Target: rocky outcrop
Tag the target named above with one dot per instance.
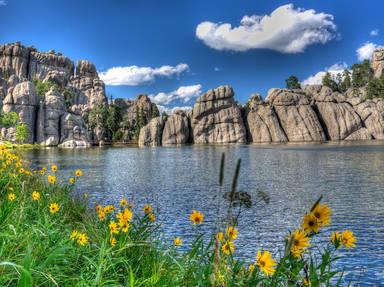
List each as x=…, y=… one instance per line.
x=337, y=115
x=14, y=60
x=378, y=62
x=216, y=118
x=371, y=113
x=60, y=115
x=296, y=115
x=360, y=134
x=23, y=100
x=41, y=63
x=150, y=135
x=262, y=123
x=176, y=129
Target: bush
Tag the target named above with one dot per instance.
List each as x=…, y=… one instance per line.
x=118, y=135
x=21, y=133
x=8, y=120
x=42, y=88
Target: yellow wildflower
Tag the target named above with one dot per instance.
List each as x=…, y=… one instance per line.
x=177, y=241
x=348, y=239
x=228, y=247
x=54, y=208
x=78, y=173
x=113, y=228
x=51, y=179
x=231, y=232
x=74, y=235
x=72, y=180
x=54, y=168
x=11, y=196
x=251, y=267
x=147, y=209
x=266, y=263
x=336, y=238
x=219, y=236
x=152, y=217
x=300, y=242
x=124, y=226
x=113, y=241
x=196, y=217
x=323, y=214
x=109, y=208
x=36, y=196
x=101, y=215
x=82, y=239
x=310, y=223
x=123, y=202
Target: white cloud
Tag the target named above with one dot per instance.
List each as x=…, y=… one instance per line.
x=287, y=30
x=374, y=32
x=217, y=69
x=135, y=76
x=184, y=93
x=317, y=78
x=366, y=51
x=3, y=3
x=170, y=111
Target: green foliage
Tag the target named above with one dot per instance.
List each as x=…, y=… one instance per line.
x=141, y=121
x=42, y=88
x=97, y=119
x=164, y=116
x=361, y=74
x=8, y=120
x=69, y=96
x=155, y=111
x=21, y=132
x=114, y=118
x=345, y=81
x=375, y=88
x=118, y=135
x=292, y=83
x=330, y=82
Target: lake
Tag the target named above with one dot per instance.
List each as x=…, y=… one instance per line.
x=176, y=180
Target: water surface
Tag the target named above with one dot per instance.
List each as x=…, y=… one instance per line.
x=178, y=179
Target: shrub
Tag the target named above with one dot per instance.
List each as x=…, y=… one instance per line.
x=21, y=132
x=8, y=120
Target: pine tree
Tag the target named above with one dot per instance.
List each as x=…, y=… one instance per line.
x=328, y=81
x=292, y=83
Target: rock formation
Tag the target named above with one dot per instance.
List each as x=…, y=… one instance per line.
x=176, y=129
x=378, y=62
x=262, y=123
x=57, y=116
x=297, y=117
x=150, y=135
x=216, y=118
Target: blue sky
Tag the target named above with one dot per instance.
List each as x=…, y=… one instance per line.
x=176, y=49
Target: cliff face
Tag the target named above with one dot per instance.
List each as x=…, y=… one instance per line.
x=59, y=114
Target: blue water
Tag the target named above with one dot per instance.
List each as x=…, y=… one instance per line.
x=178, y=179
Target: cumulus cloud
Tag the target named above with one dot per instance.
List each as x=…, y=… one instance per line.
x=170, y=111
x=317, y=78
x=3, y=3
x=135, y=76
x=374, y=32
x=286, y=30
x=184, y=93
x=366, y=51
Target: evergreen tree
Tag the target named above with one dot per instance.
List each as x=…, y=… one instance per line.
x=375, y=88
x=155, y=111
x=361, y=74
x=346, y=82
x=328, y=81
x=114, y=118
x=292, y=83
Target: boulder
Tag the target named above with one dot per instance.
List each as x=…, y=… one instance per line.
x=297, y=117
x=176, y=129
x=23, y=100
x=360, y=134
x=85, y=68
x=372, y=114
x=150, y=134
x=262, y=123
x=216, y=118
x=73, y=131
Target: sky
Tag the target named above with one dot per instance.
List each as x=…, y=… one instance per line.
x=175, y=50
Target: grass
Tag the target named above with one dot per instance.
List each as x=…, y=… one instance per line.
x=38, y=245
